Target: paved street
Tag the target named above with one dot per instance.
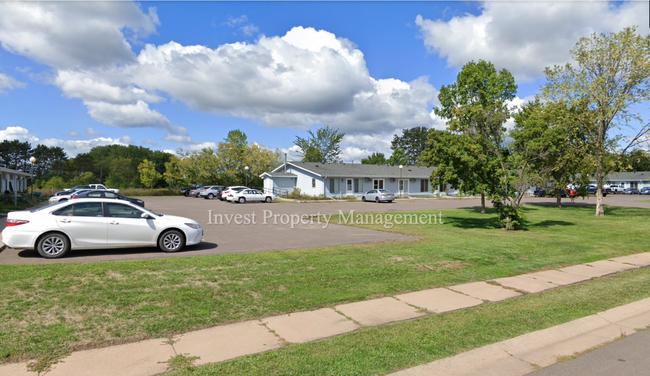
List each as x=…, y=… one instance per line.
x=273, y=230
x=627, y=357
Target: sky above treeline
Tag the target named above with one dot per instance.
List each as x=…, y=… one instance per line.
x=181, y=75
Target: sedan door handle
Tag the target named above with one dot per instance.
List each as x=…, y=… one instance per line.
x=66, y=220
x=114, y=223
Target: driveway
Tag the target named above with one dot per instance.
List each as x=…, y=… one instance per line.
x=260, y=227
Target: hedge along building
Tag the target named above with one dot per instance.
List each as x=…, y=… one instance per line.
x=344, y=179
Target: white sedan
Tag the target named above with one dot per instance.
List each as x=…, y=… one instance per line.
x=378, y=195
x=66, y=197
x=55, y=229
x=250, y=195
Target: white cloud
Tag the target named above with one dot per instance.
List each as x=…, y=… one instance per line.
x=526, y=37
x=73, y=134
x=73, y=34
x=7, y=82
x=126, y=140
x=135, y=115
x=249, y=30
x=232, y=22
x=71, y=147
x=74, y=147
x=93, y=132
x=149, y=142
x=102, y=85
x=17, y=133
x=200, y=146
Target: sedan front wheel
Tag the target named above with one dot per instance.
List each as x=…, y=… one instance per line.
x=242, y=200
x=53, y=245
x=171, y=241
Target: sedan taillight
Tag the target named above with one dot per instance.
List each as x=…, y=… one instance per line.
x=16, y=222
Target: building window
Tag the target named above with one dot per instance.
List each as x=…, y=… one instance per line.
x=424, y=185
x=378, y=184
x=349, y=185
x=313, y=183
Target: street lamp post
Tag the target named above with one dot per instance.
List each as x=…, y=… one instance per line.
x=246, y=169
x=400, y=181
x=32, y=160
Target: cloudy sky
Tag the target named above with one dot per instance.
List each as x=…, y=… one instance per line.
x=170, y=75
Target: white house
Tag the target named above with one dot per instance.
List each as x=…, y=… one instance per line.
x=13, y=180
x=344, y=179
x=639, y=179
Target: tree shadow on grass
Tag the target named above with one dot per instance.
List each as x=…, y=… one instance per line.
x=488, y=221
x=548, y=223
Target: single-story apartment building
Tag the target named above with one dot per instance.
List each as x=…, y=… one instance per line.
x=639, y=179
x=345, y=179
x=13, y=180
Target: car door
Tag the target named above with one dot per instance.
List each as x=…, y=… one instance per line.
x=84, y=223
x=256, y=195
x=126, y=227
x=372, y=194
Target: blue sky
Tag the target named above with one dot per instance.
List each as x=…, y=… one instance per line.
x=170, y=75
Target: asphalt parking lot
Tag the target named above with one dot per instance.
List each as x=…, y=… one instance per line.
x=260, y=227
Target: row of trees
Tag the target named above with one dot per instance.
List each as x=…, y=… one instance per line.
x=564, y=136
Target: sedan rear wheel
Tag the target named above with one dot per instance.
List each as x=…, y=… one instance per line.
x=377, y=200
x=210, y=196
x=171, y=241
x=53, y=245
x=363, y=198
x=242, y=200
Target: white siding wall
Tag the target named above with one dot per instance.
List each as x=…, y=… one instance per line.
x=304, y=182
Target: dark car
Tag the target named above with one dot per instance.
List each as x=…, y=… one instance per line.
x=72, y=190
x=108, y=194
x=631, y=191
x=550, y=192
x=185, y=191
x=592, y=190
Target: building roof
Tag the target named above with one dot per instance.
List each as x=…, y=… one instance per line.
x=629, y=176
x=279, y=175
x=14, y=172
x=347, y=170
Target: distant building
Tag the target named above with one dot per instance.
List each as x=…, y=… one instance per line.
x=13, y=180
x=344, y=179
x=637, y=180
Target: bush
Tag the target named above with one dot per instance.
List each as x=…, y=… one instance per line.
x=297, y=195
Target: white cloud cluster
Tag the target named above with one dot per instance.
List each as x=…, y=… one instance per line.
x=525, y=37
x=73, y=34
x=7, y=82
x=71, y=147
x=303, y=78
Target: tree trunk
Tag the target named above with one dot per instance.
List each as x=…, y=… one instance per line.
x=482, y=202
x=599, y=173
x=558, y=197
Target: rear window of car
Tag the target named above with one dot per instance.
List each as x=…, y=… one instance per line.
x=384, y=191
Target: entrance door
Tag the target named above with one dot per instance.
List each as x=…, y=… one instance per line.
x=349, y=186
x=402, y=186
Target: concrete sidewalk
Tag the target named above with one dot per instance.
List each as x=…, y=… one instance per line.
x=516, y=356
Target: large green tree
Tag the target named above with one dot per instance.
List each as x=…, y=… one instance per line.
x=612, y=76
x=148, y=174
x=375, y=158
x=15, y=154
x=398, y=158
x=322, y=147
x=552, y=136
x=412, y=141
x=476, y=109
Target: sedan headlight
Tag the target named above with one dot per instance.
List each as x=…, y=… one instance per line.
x=195, y=226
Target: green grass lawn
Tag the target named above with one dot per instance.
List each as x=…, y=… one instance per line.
x=386, y=349
x=77, y=306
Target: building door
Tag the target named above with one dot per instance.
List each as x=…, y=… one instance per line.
x=402, y=187
x=349, y=186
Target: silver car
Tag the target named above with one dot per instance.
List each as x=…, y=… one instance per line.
x=378, y=195
x=211, y=191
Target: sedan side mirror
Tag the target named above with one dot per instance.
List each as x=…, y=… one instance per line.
x=146, y=216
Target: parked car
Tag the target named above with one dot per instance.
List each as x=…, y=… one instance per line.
x=194, y=192
x=591, y=189
x=252, y=195
x=631, y=191
x=185, y=191
x=378, y=195
x=106, y=194
x=65, y=197
x=550, y=192
x=617, y=188
x=644, y=191
x=97, y=223
x=211, y=192
x=229, y=190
